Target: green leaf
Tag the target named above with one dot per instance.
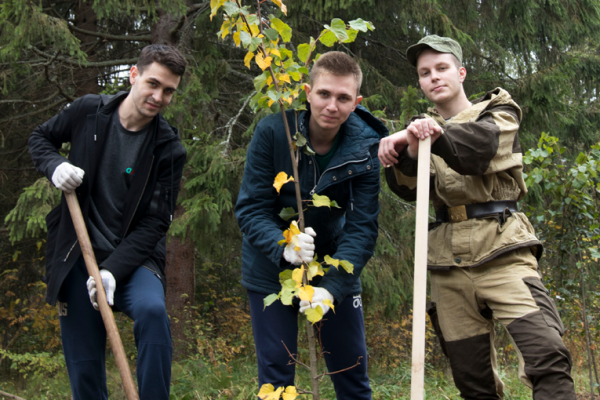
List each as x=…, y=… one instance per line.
x=289, y=284
x=338, y=27
x=328, y=38
x=334, y=204
x=287, y=213
x=285, y=275
x=321, y=201
x=284, y=29
x=314, y=315
x=300, y=139
x=254, y=43
x=270, y=299
x=303, y=52
x=285, y=53
x=352, y=33
x=348, y=266
x=359, y=24
x=272, y=34
x=245, y=38
x=287, y=296
x=308, y=151
x=273, y=95
x=231, y=8
x=260, y=81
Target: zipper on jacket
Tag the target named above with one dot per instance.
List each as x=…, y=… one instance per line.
x=329, y=169
x=69, y=253
x=140, y=199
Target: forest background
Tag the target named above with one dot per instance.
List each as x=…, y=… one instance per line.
x=545, y=53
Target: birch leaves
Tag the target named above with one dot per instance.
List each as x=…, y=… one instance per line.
x=266, y=40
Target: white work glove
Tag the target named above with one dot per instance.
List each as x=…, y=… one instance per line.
x=67, y=177
x=307, y=248
x=318, y=297
x=109, y=283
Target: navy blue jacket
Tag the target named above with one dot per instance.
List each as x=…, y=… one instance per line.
x=149, y=201
x=351, y=179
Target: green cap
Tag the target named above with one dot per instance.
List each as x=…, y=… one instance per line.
x=437, y=43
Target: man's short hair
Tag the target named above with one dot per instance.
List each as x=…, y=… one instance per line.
x=167, y=56
x=338, y=64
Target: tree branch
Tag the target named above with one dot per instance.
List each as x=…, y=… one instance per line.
x=100, y=64
x=10, y=396
x=33, y=113
x=140, y=38
x=31, y=101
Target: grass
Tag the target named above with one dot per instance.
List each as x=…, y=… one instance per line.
x=192, y=379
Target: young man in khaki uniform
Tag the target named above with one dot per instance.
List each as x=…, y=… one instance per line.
x=482, y=250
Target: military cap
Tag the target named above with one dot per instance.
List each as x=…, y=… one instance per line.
x=437, y=43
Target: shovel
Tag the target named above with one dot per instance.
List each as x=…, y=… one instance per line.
x=105, y=310
x=420, y=284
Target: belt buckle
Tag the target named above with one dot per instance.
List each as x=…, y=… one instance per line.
x=457, y=214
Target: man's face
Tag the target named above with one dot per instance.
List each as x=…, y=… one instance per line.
x=332, y=98
x=153, y=89
x=439, y=77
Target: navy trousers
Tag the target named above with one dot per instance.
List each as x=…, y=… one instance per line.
x=342, y=338
x=141, y=297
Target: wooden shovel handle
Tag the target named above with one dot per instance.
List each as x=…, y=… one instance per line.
x=105, y=310
x=420, y=284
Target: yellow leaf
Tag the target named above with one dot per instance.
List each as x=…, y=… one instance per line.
x=297, y=275
x=278, y=54
x=290, y=393
x=285, y=78
x=348, y=266
x=306, y=293
x=225, y=29
x=270, y=103
x=248, y=58
x=255, y=30
x=332, y=261
x=281, y=178
x=214, y=7
x=269, y=80
x=236, y=39
x=328, y=302
x=294, y=228
x=263, y=62
x=289, y=100
x=314, y=314
x=320, y=201
x=282, y=6
x=296, y=243
x=268, y=392
x=314, y=269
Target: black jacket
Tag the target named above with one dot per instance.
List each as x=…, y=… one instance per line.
x=150, y=200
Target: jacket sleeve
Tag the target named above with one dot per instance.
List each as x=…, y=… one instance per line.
x=255, y=208
x=47, y=138
x=142, y=240
x=357, y=242
x=484, y=146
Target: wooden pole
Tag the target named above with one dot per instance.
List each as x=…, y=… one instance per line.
x=105, y=310
x=420, y=286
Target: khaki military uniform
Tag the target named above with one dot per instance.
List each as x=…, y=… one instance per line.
x=485, y=267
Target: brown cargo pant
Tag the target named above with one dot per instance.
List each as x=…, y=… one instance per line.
x=507, y=288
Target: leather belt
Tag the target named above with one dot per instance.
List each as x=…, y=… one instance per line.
x=478, y=210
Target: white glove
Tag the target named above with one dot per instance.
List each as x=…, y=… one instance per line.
x=67, y=177
x=109, y=283
x=307, y=248
x=319, y=296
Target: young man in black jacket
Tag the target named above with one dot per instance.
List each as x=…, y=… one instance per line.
x=125, y=165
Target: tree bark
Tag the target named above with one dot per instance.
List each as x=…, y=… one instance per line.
x=181, y=286
x=86, y=79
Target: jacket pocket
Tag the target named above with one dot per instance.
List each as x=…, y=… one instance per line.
x=545, y=303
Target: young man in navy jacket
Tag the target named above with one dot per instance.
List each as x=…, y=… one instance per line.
x=125, y=164
x=345, y=137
